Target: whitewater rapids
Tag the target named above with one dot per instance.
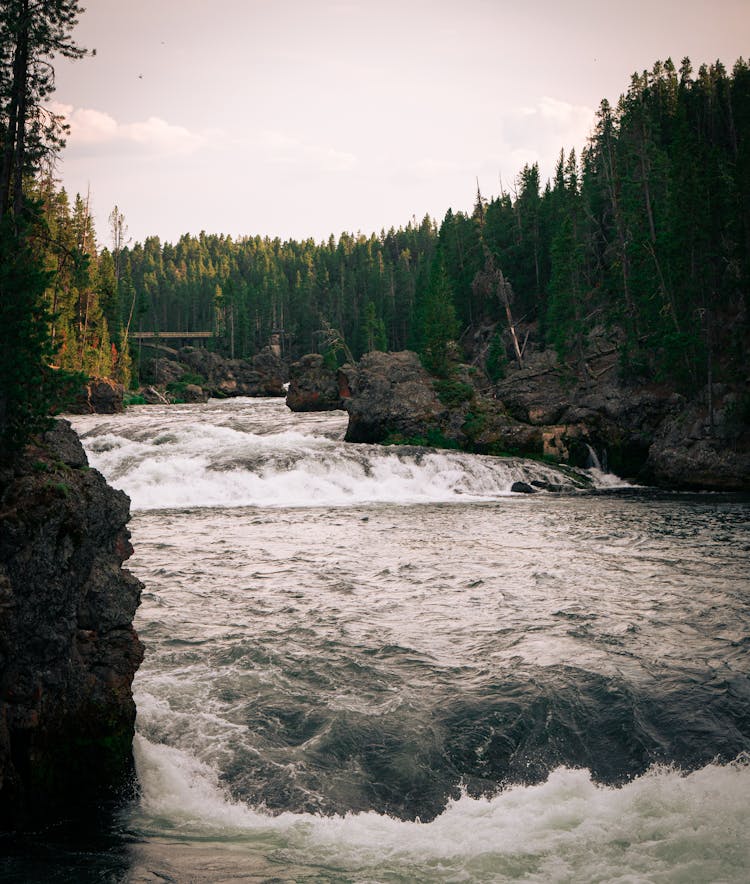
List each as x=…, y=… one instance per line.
x=376, y=664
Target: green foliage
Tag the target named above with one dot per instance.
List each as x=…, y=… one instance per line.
x=31, y=35
x=191, y=377
x=437, y=321
x=330, y=359
x=133, y=399
x=29, y=389
x=497, y=361
x=243, y=290
x=436, y=439
x=60, y=489
x=433, y=439
x=452, y=392
x=373, y=336
x=400, y=439
x=473, y=425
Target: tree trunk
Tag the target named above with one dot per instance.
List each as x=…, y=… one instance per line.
x=505, y=298
x=20, y=146
x=17, y=91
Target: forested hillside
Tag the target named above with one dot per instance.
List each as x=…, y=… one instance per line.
x=646, y=233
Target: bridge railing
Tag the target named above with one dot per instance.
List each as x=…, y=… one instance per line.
x=150, y=335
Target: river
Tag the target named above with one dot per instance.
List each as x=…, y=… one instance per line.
x=370, y=664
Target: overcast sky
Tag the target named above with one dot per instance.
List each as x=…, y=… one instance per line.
x=301, y=118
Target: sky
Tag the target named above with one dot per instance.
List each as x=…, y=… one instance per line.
x=305, y=118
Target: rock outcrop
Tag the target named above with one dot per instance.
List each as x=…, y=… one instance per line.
x=99, y=396
x=693, y=451
x=546, y=409
x=68, y=650
x=182, y=373
x=387, y=395
x=312, y=385
x=391, y=398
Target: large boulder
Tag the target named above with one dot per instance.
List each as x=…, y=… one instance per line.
x=68, y=651
x=387, y=395
x=193, y=393
x=312, y=385
x=99, y=396
x=272, y=370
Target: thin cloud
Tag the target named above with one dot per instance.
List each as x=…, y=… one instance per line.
x=545, y=127
x=91, y=128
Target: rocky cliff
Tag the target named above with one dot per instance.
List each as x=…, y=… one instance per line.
x=581, y=415
x=68, y=651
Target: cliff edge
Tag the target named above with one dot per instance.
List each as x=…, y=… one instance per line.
x=68, y=650
x=644, y=432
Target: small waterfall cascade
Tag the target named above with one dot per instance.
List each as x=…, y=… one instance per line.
x=594, y=462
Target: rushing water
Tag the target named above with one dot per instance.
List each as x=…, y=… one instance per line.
x=379, y=665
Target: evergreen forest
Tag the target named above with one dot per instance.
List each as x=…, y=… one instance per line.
x=644, y=234
x=647, y=232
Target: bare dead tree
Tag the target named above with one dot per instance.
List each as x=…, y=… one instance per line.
x=491, y=282
x=334, y=340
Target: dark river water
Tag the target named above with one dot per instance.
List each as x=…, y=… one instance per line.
x=379, y=665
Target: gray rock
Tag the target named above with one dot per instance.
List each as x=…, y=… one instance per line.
x=194, y=393
x=688, y=452
x=312, y=386
x=263, y=375
x=389, y=394
x=68, y=651
x=522, y=488
x=62, y=440
x=99, y=396
x=165, y=371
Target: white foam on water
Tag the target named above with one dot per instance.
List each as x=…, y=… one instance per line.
x=663, y=826
x=606, y=480
x=198, y=464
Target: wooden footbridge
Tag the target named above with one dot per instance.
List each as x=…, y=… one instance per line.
x=171, y=335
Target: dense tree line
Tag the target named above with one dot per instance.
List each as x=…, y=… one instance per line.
x=363, y=289
x=647, y=232
x=32, y=34
x=85, y=297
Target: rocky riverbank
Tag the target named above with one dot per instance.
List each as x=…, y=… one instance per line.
x=68, y=650
x=190, y=374
x=193, y=374
x=583, y=414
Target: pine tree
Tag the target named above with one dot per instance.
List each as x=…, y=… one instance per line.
x=437, y=321
x=32, y=32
